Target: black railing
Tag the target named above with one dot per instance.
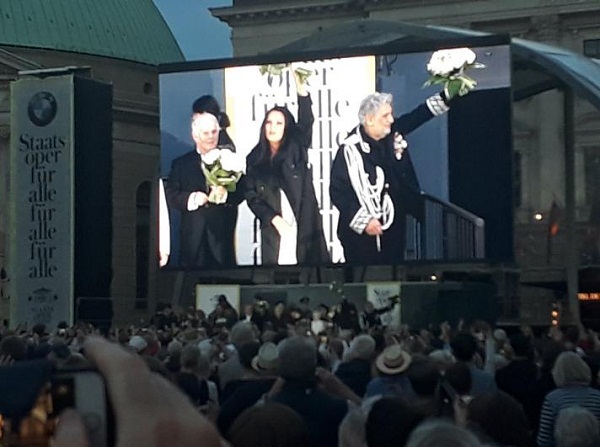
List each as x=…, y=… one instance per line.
x=446, y=232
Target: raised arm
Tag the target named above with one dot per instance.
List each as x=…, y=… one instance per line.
x=305, y=114
x=433, y=106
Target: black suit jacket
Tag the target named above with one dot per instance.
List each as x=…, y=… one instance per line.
x=207, y=234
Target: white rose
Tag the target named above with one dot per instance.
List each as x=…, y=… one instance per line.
x=461, y=57
x=232, y=162
x=211, y=156
x=444, y=62
x=468, y=55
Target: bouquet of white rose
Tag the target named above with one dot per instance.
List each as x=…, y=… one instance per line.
x=277, y=70
x=222, y=167
x=447, y=67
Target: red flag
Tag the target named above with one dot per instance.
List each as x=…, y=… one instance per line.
x=554, y=216
x=554, y=219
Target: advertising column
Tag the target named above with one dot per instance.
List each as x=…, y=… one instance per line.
x=41, y=201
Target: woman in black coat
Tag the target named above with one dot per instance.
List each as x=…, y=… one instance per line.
x=279, y=187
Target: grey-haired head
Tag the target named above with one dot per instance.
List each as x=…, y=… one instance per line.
x=297, y=358
x=371, y=104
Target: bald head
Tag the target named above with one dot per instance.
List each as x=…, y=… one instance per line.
x=205, y=131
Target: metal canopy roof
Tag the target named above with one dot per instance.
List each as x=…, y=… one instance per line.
x=536, y=67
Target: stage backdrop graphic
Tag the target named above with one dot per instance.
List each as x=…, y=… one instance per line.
x=42, y=197
x=380, y=294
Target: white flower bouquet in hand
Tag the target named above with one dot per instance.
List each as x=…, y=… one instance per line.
x=277, y=70
x=447, y=67
x=223, y=169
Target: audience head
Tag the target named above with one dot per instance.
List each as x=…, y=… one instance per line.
x=14, y=347
x=464, y=347
x=336, y=347
x=442, y=357
x=438, y=432
x=576, y=427
x=174, y=346
x=571, y=335
x=241, y=332
x=266, y=359
x=362, y=347
x=390, y=423
x=39, y=329
x=500, y=335
x=459, y=377
x=501, y=418
x=268, y=425
x=424, y=377
x=192, y=336
x=352, y=429
x=297, y=358
x=247, y=352
x=190, y=357
x=550, y=353
x=570, y=369
x=193, y=360
x=521, y=345
x=393, y=360
x=138, y=343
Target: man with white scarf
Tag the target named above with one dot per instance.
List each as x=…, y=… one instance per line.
x=373, y=182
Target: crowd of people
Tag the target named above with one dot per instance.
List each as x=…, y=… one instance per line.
x=271, y=376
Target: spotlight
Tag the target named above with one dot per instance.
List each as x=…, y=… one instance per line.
x=538, y=216
x=555, y=314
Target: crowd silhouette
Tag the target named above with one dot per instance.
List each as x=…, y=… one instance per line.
x=273, y=377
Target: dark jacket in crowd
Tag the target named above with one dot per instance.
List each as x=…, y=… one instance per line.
x=356, y=374
x=321, y=412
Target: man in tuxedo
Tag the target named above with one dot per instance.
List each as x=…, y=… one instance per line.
x=207, y=230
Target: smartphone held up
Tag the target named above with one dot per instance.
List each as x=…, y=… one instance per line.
x=33, y=394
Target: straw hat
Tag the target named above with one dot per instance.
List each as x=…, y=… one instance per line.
x=266, y=359
x=393, y=360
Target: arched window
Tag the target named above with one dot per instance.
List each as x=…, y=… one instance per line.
x=142, y=244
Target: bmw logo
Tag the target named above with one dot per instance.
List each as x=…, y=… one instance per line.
x=42, y=108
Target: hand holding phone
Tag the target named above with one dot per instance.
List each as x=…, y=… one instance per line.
x=149, y=410
x=33, y=395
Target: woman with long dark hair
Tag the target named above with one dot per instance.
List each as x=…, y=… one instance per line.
x=279, y=187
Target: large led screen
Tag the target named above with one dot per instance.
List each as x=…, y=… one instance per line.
x=336, y=160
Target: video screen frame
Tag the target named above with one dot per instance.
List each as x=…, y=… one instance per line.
x=335, y=94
